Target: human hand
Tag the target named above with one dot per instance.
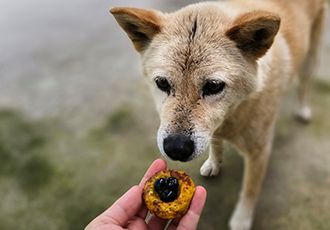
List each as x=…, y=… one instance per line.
x=130, y=212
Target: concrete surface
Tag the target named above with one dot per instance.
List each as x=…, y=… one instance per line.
x=78, y=126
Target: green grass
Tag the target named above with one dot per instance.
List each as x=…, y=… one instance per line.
x=65, y=179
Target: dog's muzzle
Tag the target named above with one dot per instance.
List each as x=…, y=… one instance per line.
x=179, y=147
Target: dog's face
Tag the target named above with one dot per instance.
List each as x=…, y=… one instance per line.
x=200, y=65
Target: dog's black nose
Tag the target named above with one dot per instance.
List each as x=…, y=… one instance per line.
x=179, y=147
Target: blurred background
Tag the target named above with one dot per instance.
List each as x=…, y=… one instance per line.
x=78, y=126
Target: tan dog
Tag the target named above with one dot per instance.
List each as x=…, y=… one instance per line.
x=218, y=71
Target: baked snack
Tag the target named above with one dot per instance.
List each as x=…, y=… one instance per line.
x=168, y=193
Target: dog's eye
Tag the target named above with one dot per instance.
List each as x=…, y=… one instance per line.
x=163, y=85
x=213, y=87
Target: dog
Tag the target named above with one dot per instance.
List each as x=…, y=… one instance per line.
x=217, y=71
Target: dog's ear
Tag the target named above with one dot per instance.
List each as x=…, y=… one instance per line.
x=139, y=24
x=254, y=32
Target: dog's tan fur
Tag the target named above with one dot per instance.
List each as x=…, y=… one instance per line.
x=256, y=47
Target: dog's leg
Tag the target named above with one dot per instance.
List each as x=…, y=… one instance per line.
x=303, y=112
x=254, y=171
x=212, y=165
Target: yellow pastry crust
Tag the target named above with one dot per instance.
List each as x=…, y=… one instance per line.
x=176, y=208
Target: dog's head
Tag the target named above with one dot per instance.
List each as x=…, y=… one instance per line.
x=200, y=64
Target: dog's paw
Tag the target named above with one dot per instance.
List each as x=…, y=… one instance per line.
x=240, y=225
x=304, y=114
x=241, y=218
x=210, y=168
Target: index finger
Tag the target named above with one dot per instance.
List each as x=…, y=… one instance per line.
x=156, y=166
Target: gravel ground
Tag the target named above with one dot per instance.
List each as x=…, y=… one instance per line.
x=73, y=108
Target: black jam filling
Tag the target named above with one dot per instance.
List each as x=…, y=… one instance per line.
x=167, y=188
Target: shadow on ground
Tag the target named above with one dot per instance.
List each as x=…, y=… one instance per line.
x=51, y=176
